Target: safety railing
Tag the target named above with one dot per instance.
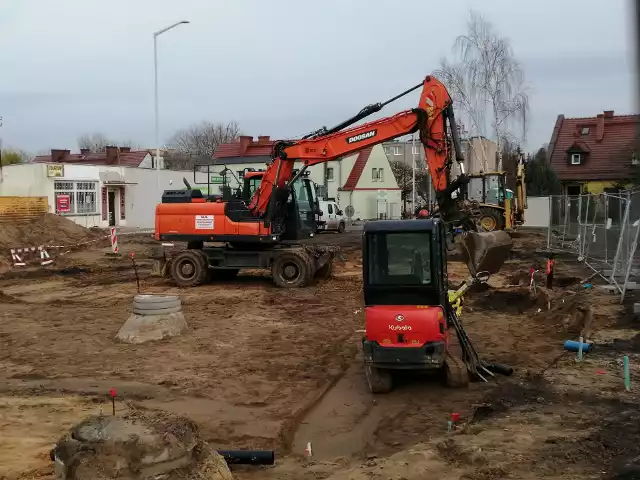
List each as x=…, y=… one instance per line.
x=602, y=230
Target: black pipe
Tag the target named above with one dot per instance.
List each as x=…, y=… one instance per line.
x=233, y=457
x=505, y=370
x=248, y=457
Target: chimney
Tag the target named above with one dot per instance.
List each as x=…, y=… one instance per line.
x=245, y=141
x=59, y=155
x=608, y=114
x=111, y=153
x=263, y=139
x=599, y=127
x=125, y=149
x=85, y=151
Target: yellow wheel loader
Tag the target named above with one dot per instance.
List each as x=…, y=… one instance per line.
x=499, y=208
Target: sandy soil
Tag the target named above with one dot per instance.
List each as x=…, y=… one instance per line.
x=269, y=368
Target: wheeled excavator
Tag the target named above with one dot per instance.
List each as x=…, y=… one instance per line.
x=225, y=235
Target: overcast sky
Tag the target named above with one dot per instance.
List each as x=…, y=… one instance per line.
x=283, y=67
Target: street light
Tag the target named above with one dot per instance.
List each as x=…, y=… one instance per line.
x=155, y=74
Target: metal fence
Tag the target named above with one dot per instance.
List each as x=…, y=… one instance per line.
x=602, y=231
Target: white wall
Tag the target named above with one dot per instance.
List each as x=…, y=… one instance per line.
x=26, y=180
x=141, y=199
x=377, y=159
x=537, y=212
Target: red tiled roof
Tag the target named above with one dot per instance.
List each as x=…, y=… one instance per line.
x=358, y=168
x=126, y=159
x=245, y=147
x=608, y=146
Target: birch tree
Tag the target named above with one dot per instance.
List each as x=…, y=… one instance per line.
x=487, y=83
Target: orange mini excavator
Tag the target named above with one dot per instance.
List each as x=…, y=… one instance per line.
x=265, y=229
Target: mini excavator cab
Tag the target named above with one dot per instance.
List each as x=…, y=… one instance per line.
x=406, y=296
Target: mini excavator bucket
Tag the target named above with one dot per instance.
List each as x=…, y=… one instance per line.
x=485, y=252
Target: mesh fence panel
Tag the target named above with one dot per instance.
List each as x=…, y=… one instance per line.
x=601, y=230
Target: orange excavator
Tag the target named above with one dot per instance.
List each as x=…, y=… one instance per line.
x=265, y=229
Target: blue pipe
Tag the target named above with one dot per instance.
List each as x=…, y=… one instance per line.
x=574, y=346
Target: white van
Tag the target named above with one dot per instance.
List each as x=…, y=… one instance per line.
x=332, y=218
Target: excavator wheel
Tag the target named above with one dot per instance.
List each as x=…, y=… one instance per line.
x=379, y=380
x=455, y=371
x=292, y=269
x=189, y=268
x=490, y=220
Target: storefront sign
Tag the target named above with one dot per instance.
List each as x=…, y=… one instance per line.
x=105, y=207
x=63, y=203
x=55, y=170
x=122, y=203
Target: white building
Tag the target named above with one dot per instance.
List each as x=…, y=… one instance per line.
x=93, y=195
x=363, y=181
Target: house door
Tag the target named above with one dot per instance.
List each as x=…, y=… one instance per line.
x=112, y=208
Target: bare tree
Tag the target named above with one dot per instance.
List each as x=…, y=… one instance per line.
x=97, y=142
x=487, y=76
x=202, y=139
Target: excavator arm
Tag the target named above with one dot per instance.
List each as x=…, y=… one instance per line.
x=433, y=119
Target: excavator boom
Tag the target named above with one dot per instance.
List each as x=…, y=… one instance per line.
x=435, y=122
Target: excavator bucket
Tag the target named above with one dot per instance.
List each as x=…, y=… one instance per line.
x=485, y=252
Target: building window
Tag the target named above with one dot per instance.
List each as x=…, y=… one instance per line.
x=240, y=174
x=329, y=173
x=415, y=150
x=397, y=150
x=377, y=174
x=585, y=130
x=576, y=159
x=82, y=195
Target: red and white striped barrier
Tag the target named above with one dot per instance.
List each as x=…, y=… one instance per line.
x=114, y=241
x=19, y=256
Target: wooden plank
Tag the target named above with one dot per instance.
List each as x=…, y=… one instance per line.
x=23, y=206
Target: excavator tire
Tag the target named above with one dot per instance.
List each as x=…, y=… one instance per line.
x=292, y=269
x=189, y=268
x=490, y=220
x=379, y=380
x=455, y=371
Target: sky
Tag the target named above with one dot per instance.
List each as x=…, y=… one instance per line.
x=284, y=67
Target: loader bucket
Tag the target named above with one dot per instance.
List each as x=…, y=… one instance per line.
x=485, y=252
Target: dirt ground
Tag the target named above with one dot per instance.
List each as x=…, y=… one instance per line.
x=269, y=368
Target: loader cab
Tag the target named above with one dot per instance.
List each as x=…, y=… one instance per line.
x=404, y=262
x=487, y=188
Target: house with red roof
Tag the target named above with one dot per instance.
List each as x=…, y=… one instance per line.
x=363, y=181
x=594, y=154
x=113, y=155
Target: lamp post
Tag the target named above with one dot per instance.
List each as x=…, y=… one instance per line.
x=155, y=82
x=413, y=172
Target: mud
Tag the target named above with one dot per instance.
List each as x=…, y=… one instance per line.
x=270, y=368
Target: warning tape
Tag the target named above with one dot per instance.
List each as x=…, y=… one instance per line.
x=17, y=254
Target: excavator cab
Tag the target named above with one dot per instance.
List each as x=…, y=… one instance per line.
x=406, y=296
x=296, y=215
